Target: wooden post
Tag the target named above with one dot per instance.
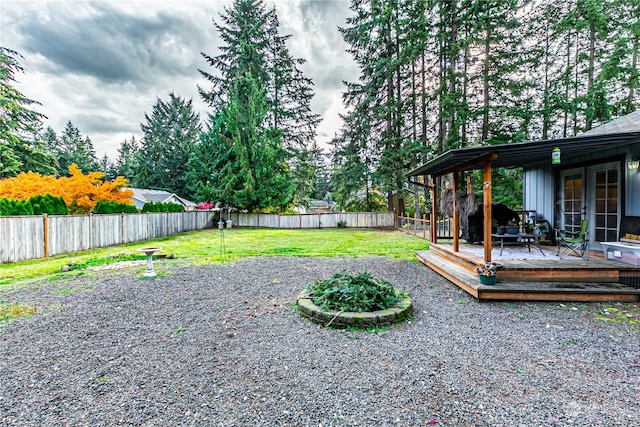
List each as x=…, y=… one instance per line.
x=487, y=211
x=45, y=223
x=456, y=218
x=91, y=230
x=434, y=213
x=424, y=226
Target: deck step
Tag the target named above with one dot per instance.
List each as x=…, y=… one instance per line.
x=539, y=283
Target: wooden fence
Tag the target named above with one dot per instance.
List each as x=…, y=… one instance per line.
x=323, y=220
x=30, y=237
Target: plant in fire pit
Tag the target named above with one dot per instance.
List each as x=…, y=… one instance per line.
x=354, y=300
x=354, y=292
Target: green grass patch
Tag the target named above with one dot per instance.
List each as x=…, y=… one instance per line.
x=14, y=311
x=212, y=245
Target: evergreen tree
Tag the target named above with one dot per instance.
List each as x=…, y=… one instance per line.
x=20, y=150
x=170, y=134
x=126, y=163
x=107, y=167
x=255, y=58
x=249, y=168
x=71, y=147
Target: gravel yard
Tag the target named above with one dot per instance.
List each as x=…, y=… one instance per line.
x=221, y=345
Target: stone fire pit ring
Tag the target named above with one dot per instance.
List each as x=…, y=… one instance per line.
x=361, y=320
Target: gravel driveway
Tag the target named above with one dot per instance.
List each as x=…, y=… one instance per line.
x=220, y=345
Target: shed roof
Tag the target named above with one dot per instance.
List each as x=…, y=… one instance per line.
x=521, y=154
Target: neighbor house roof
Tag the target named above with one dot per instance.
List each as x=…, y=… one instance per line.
x=144, y=195
x=523, y=153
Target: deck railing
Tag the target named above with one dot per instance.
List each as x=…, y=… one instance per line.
x=421, y=227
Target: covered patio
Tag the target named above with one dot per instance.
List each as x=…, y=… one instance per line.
x=537, y=274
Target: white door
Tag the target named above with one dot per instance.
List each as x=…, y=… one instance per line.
x=603, y=204
x=571, y=199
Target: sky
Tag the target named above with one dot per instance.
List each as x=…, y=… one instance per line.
x=102, y=64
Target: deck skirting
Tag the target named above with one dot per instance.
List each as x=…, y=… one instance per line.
x=536, y=280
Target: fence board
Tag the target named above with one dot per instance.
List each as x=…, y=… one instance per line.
x=106, y=230
x=69, y=234
x=134, y=228
x=21, y=238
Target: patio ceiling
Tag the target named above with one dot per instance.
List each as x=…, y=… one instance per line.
x=521, y=154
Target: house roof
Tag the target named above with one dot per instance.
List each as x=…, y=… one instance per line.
x=523, y=153
x=146, y=195
x=624, y=124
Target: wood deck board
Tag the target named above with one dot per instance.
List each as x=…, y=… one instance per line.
x=556, y=280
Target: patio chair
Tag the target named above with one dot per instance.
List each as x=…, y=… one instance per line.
x=573, y=243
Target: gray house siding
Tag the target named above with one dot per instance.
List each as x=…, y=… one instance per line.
x=541, y=182
x=632, y=189
x=538, y=192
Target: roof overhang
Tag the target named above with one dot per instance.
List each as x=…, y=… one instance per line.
x=521, y=154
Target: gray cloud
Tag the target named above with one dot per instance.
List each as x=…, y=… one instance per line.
x=101, y=64
x=114, y=46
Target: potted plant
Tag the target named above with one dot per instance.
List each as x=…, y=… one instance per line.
x=513, y=226
x=488, y=273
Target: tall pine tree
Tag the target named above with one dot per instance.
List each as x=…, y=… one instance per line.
x=169, y=135
x=252, y=156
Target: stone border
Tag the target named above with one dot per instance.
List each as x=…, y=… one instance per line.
x=345, y=319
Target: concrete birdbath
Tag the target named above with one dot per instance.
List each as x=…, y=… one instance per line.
x=149, y=252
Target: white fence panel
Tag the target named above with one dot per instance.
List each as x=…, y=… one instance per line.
x=290, y=221
x=324, y=220
x=135, y=228
x=69, y=234
x=328, y=220
x=157, y=224
x=21, y=238
x=269, y=220
x=205, y=219
x=106, y=230
x=175, y=223
x=310, y=221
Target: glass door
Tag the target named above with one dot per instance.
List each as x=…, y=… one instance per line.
x=572, y=203
x=606, y=204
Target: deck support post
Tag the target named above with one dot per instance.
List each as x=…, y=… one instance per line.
x=434, y=213
x=487, y=211
x=456, y=217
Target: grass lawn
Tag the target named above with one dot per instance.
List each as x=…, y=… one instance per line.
x=206, y=246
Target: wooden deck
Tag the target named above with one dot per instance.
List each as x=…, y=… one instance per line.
x=535, y=279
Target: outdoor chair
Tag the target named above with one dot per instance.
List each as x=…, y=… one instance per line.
x=573, y=243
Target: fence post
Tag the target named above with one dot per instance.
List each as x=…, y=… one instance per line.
x=90, y=230
x=45, y=223
x=424, y=226
x=122, y=226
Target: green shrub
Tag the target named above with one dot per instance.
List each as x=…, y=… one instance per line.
x=354, y=293
x=162, y=207
x=110, y=207
x=48, y=204
x=10, y=207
